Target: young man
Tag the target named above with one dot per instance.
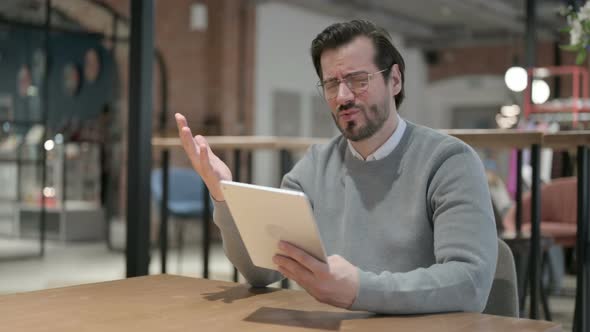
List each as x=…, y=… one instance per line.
x=404, y=211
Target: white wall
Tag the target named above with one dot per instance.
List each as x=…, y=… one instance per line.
x=414, y=108
x=283, y=37
x=445, y=95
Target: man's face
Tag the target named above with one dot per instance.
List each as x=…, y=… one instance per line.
x=359, y=115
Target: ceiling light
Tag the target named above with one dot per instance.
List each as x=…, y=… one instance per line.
x=516, y=79
x=49, y=192
x=49, y=145
x=510, y=110
x=540, y=92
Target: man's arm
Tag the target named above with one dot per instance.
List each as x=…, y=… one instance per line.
x=465, y=248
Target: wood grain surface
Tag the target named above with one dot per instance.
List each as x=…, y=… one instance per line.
x=174, y=303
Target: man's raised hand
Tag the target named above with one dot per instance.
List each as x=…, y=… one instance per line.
x=204, y=161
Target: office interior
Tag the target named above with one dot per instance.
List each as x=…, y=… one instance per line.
x=82, y=177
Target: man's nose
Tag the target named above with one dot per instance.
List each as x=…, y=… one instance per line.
x=345, y=95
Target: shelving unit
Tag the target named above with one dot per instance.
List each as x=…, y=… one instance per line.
x=16, y=155
x=73, y=210
x=579, y=101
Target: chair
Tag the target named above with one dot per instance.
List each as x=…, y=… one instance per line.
x=503, y=299
x=558, y=212
x=185, y=197
x=559, y=204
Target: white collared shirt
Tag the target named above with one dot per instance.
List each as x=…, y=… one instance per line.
x=387, y=147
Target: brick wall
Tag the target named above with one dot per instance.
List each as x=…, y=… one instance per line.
x=209, y=72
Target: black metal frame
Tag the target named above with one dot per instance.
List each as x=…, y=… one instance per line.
x=46, y=45
x=518, y=221
x=535, y=253
x=140, y=135
x=164, y=211
x=206, y=231
x=286, y=163
x=581, y=323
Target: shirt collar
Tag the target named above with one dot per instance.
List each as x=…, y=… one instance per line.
x=386, y=148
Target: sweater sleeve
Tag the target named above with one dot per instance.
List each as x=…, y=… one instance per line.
x=236, y=252
x=465, y=247
x=234, y=247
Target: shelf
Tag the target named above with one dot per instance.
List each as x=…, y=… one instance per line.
x=22, y=161
x=558, y=109
x=561, y=116
x=72, y=169
x=73, y=205
x=81, y=223
x=21, y=122
x=574, y=105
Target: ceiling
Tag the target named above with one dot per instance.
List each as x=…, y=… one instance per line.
x=432, y=24
x=33, y=11
x=427, y=24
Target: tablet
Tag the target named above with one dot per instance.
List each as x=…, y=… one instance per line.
x=265, y=215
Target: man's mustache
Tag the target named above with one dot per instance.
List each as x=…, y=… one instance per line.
x=347, y=106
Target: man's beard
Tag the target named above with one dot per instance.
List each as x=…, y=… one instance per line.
x=373, y=122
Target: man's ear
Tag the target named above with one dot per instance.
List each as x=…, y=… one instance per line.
x=396, y=79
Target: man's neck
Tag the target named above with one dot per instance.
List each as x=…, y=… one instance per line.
x=371, y=144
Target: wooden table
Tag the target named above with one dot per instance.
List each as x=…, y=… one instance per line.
x=497, y=138
x=173, y=303
x=246, y=142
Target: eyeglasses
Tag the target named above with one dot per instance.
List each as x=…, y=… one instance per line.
x=356, y=82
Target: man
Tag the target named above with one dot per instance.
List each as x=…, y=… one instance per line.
x=404, y=211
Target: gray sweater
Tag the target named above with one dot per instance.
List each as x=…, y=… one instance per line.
x=418, y=224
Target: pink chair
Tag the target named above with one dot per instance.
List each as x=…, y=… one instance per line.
x=558, y=212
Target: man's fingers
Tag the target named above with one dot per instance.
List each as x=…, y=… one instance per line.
x=203, y=155
x=303, y=258
x=186, y=137
x=187, y=142
x=202, y=147
x=201, y=141
x=180, y=121
x=287, y=273
x=297, y=271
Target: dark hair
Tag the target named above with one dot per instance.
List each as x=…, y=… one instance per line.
x=339, y=34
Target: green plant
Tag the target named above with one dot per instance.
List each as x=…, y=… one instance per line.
x=578, y=27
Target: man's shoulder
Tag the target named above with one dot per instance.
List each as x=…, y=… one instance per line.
x=319, y=156
x=335, y=146
x=436, y=141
